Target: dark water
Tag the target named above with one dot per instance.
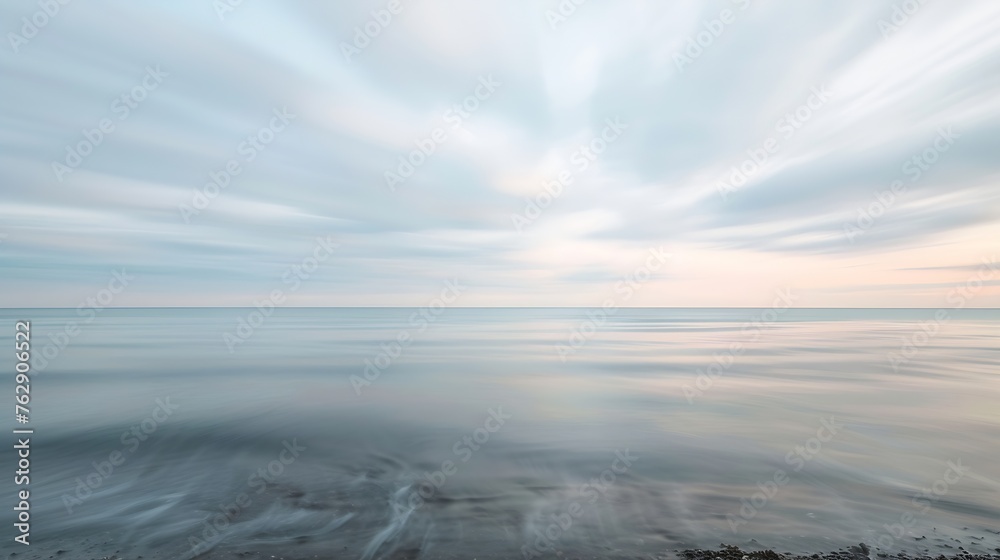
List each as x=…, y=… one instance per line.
x=815, y=427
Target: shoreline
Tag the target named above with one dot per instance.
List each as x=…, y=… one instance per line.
x=860, y=551
x=103, y=551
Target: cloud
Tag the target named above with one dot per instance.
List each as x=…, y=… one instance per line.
x=891, y=91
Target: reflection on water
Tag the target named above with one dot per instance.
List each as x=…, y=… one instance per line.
x=474, y=439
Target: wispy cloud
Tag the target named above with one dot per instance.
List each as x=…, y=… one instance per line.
x=892, y=90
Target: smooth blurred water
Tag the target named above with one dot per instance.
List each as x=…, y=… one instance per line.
x=702, y=448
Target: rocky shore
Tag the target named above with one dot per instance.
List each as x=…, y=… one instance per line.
x=859, y=552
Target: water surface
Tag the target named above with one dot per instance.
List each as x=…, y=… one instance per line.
x=490, y=433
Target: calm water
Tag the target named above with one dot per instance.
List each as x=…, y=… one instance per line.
x=476, y=439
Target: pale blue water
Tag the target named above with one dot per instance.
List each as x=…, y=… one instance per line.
x=699, y=449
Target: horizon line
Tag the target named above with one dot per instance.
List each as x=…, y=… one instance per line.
x=487, y=307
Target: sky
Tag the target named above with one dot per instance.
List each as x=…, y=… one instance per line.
x=534, y=153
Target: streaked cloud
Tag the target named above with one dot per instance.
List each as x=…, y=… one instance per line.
x=892, y=89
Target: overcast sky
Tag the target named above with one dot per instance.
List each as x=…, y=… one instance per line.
x=645, y=110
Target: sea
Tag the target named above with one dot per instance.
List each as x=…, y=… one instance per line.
x=482, y=433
